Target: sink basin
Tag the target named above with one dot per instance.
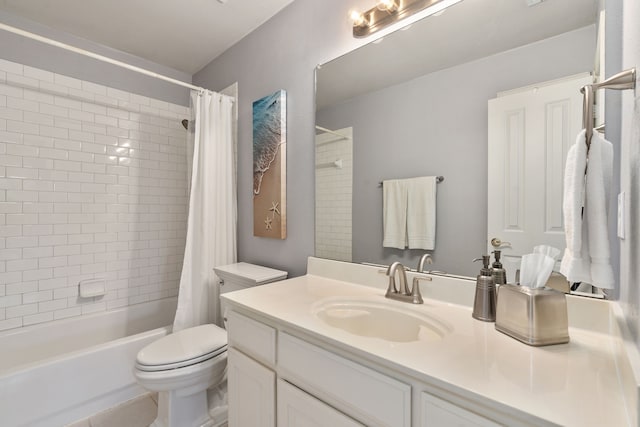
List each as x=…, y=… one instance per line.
x=380, y=319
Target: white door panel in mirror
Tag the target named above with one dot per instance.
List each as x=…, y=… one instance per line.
x=530, y=132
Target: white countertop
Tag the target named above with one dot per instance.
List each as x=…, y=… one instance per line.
x=573, y=384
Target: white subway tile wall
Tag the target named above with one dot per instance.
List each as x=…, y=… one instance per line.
x=93, y=183
x=334, y=194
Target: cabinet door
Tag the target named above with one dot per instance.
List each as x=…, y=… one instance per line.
x=439, y=413
x=251, y=392
x=299, y=409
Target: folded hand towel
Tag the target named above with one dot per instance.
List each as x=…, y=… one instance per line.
x=394, y=213
x=421, y=212
x=586, y=199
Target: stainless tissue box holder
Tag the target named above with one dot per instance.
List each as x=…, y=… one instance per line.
x=534, y=316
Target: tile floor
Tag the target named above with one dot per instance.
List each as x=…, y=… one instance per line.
x=138, y=412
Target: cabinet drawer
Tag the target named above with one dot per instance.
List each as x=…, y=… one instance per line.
x=369, y=396
x=299, y=409
x=437, y=412
x=252, y=337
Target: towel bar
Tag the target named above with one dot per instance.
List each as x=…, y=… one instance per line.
x=439, y=179
x=623, y=80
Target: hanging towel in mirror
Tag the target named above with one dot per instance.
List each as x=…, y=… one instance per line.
x=421, y=212
x=409, y=213
x=585, y=208
x=394, y=213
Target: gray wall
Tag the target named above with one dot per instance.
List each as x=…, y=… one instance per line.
x=39, y=55
x=613, y=109
x=437, y=125
x=630, y=169
x=282, y=54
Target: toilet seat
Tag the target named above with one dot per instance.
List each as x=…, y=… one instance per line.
x=184, y=348
x=181, y=364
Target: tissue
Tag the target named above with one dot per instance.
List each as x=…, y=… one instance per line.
x=535, y=269
x=547, y=250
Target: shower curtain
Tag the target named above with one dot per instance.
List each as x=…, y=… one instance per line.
x=211, y=227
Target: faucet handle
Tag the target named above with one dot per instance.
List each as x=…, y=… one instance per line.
x=416, y=297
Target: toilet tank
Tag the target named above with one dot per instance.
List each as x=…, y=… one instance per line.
x=244, y=275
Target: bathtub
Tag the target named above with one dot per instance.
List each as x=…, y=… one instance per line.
x=63, y=371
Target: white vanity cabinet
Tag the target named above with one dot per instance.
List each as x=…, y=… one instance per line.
x=279, y=379
x=250, y=375
x=291, y=367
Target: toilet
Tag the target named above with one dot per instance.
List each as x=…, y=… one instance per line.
x=183, y=365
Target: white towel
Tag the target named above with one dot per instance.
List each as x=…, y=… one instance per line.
x=586, y=257
x=394, y=213
x=421, y=212
x=573, y=266
x=409, y=213
x=597, y=197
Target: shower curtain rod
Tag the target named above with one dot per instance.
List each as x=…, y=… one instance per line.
x=102, y=58
x=332, y=132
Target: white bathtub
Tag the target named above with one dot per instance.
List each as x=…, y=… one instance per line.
x=56, y=373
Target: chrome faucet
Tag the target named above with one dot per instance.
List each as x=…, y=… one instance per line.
x=391, y=272
x=426, y=259
x=403, y=293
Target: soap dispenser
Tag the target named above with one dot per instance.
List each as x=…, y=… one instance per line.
x=497, y=271
x=484, y=304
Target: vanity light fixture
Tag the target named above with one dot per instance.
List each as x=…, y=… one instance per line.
x=388, y=12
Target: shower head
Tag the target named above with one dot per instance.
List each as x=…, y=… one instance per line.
x=185, y=123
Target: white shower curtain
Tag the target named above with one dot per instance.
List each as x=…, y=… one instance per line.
x=211, y=228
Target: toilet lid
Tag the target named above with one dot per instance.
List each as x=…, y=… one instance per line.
x=183, y=348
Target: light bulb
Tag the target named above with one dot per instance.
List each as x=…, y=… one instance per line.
x=357, y=18
x=388, y=5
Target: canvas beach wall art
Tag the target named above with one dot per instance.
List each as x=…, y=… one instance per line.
x=270, y=166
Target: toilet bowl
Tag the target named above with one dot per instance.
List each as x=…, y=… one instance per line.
x=183, y=365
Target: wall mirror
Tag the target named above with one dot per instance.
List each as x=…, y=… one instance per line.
x=415, y=103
